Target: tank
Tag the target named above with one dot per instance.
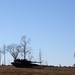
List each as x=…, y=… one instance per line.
x=24, y=63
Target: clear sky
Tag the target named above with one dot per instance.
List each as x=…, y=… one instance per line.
x=50, y=24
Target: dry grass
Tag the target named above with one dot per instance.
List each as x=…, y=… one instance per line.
x=11, y=70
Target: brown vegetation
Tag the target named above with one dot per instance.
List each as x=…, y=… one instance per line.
x=11, y=70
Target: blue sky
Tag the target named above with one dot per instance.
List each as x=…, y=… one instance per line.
x=50, y=24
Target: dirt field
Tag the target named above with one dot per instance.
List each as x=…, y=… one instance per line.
x=11, y=70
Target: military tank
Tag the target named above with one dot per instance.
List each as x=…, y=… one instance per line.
x=24, y=63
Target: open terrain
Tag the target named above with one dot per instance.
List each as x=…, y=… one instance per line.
x=11, y=70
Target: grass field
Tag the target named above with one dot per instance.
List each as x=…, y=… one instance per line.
x=11, y=70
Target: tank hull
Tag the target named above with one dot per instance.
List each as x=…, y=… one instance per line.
x=23, y=63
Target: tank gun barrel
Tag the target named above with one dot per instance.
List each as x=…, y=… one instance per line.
x=35, y=62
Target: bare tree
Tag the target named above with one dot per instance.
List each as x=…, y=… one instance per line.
x=40, y=57
x=25, y=45
x=14, y=50
x=30, y=56
x=0, y=56
x=74, y=54
x=4, y=52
